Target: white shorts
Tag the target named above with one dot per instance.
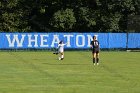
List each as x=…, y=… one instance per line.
x=61, y=50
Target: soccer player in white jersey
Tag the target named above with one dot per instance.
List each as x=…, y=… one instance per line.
x=61, y=50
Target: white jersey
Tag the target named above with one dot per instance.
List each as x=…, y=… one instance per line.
x=61, y=47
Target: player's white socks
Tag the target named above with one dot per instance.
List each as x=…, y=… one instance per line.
x=62, y=56
x=59, y=58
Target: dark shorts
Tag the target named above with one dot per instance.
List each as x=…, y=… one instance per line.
x=95, y=51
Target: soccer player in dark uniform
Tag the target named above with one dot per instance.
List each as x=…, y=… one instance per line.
x=95, y=50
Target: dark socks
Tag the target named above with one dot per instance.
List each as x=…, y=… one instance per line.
x=93, y=60
x=97, y=60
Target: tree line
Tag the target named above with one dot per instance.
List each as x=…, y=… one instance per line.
x=69, y=15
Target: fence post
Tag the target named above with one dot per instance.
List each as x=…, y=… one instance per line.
x=127, y=40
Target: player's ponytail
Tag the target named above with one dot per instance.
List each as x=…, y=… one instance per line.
x=94, y=37
x=60, y=42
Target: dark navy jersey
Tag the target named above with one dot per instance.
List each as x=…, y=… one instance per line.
x=95, y=44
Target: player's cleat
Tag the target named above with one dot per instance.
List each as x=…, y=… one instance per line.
x=94, y=64
x=97, y=63
x=62, y=58
x=55, y=53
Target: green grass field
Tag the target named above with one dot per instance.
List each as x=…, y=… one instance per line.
x=41, y=72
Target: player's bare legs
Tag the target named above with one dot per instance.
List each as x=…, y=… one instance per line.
x=61, y=56
x=94, y=57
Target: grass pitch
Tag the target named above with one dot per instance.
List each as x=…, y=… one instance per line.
x=42, y=72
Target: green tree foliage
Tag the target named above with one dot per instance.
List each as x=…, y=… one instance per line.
x=67, y=15
x=114, y=14
x=12, y=18
x=86, y=19
x=63, y=20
